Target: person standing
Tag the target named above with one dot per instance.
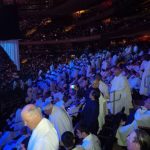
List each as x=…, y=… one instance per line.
x=120, y=93
x=44, y=136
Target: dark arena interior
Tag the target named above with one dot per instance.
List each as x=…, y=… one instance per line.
x=74, y=74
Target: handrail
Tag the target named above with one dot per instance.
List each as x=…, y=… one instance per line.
x=114, y=100
x=49, y=42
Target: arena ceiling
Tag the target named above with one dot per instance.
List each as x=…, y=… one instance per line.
x=51, y=7
x=127, y=15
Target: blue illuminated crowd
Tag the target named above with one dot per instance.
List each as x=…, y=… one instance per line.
x=79, y=104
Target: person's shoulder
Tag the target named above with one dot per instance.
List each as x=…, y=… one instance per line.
x=87, y=144
x=78, y=147
x=44, y=144
x=94, y=137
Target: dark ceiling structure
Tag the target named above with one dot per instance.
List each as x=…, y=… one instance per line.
x=129, y=18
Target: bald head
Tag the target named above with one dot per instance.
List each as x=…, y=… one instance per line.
x=31, y=116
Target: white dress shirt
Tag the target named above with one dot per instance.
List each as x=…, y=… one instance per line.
x=44, y=137
x=121, y=88
x=91, y=142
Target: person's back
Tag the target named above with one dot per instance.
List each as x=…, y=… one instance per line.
x=120, y=93
x=91, y=142
x=44, y=137
x=60, y=119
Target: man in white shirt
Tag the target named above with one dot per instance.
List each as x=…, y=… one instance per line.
x=44, y=136
x=120, y=93
x=59, y=118
x=90, y=141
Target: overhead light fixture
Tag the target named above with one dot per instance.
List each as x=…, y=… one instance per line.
x=69, y=28
x=30, y=32
x=80, y=12
x=46, y=21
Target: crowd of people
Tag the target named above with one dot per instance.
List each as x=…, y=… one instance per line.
x=40, y=30
x=72, y=105
x=7, y=67
x=61, y=33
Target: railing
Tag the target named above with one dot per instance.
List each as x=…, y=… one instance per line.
x=50, y=42
x=114, y=100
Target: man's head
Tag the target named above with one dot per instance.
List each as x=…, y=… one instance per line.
x=98, y=77
x=94, y=94
x=138, y=140
x=117, y=71
x=68, y=139
x=82, y=131
x=95, y=84
x=31, y=116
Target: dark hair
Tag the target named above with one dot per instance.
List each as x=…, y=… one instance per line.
x=82, y=128
x=68, y=139
x=143, y=139
x=98, y=76
x=96, y=94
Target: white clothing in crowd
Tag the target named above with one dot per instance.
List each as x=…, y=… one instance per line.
x=104, y=89
x=61, y=120
x=141, y=118
x=103, y=111
x=122, y=95
x=91, y=142
x=134, y=82
x=145, y=83
x=44, y=137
